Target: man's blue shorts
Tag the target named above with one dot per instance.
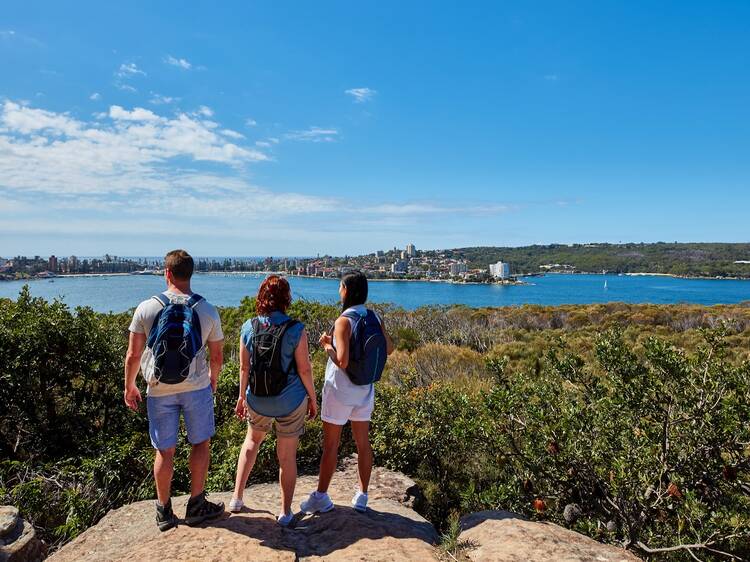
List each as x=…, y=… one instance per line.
x=197, y=407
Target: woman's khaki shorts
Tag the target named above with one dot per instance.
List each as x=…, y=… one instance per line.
x=291, y=425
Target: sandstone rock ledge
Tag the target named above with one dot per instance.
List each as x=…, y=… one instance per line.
x=501, y=536
x=390, y=530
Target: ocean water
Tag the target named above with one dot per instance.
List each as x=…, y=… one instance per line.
x=119, y=293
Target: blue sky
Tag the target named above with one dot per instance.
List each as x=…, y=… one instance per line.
x=255, y=128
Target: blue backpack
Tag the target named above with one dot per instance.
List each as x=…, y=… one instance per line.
x=175, y=339
x=367, y=348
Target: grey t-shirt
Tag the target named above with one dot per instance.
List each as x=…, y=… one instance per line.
x=200, y=376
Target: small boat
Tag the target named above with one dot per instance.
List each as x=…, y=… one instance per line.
x=605, y=284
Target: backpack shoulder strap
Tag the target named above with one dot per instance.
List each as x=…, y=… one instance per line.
x=194, y=299
x=161, y=298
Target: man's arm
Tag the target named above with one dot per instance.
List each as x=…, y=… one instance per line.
x=216, y=358
x=136, y=343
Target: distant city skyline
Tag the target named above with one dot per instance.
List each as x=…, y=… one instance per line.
x=292, y=129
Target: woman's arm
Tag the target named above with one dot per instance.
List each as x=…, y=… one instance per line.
x=304, y=369
x=342, y=331
x=240, y=408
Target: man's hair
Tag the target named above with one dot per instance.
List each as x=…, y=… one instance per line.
x=180, y=263
x=274, y=294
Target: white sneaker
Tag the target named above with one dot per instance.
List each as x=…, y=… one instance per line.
x=235, y=506
x=284, y=519
x=359, y=501
x=317, y=503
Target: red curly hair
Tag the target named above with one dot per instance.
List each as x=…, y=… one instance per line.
x=274, y=294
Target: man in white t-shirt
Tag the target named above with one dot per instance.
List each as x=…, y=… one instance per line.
x=182, y=383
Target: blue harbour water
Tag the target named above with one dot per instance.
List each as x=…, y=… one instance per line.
x=119, y=293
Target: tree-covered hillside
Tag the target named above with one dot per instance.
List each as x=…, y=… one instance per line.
x=692, y=259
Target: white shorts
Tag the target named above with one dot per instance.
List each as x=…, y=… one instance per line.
x=333, y=411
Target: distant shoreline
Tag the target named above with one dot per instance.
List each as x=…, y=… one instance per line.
x=449, y=281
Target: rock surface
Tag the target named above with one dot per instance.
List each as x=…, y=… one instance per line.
x=501, y=536
x=390, y=530
x=18, y=540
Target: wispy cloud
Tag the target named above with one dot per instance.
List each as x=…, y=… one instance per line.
x=96, y=96
x=361, y=95
x=136, y=149
x=126, y=88
x=178, y=62
x=158, y=99
x=13, y=35
x=251, y=122
x=313, y=134
x=128, y=70
x=204, y=111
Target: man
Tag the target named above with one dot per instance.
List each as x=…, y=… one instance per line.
x=168, y=339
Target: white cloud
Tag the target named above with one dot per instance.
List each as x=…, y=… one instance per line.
x=205, y=111
x=232, y=134
x=361, y=95
x=250, y=122
x=138, y=114
x=264, y=144
x=158, y=99
x=130, y=150
x=178, y=62
x=128, y=70
x=126, y=88
x=313, y=134
x=96, y=96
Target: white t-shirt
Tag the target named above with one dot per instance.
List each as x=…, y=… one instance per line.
x=200, y=376
x=338, y=382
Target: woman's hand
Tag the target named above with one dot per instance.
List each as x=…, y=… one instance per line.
x=240, y=409
x=312, y=408
x=325, y=339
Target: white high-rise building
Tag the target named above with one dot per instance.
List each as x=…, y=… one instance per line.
x=411, y=251
x=458, y=268
x=500, y=270
x=399, y=266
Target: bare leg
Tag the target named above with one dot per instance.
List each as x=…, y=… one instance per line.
x=246, y=460
x=286, y=450
x=331, y=438
x=163, y=468
x=361, y=434
x=200, y=455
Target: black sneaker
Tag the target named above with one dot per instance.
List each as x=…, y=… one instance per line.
x=165, y=517
x=199, y=509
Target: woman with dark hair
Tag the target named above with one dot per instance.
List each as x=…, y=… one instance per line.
x=343, y=400
x=276, y=387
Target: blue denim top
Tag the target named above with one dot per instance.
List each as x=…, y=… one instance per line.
x=294, y=392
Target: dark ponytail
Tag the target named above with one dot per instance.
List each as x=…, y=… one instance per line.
x=355, y=283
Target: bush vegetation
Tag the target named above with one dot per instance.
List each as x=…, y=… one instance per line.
x=629, y=423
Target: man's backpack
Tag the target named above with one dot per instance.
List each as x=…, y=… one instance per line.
x=367, y=348
x=175, y=339
x=267, y=377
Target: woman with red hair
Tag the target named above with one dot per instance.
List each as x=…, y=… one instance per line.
x=276, y=388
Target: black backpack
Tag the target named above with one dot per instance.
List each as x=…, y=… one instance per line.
x=267, y=378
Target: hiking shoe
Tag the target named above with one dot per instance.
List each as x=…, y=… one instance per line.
x=359, y=501
x=318, y=502
x=285, y=519
x=165, y=517
x=235, y=506
x=199, y=509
